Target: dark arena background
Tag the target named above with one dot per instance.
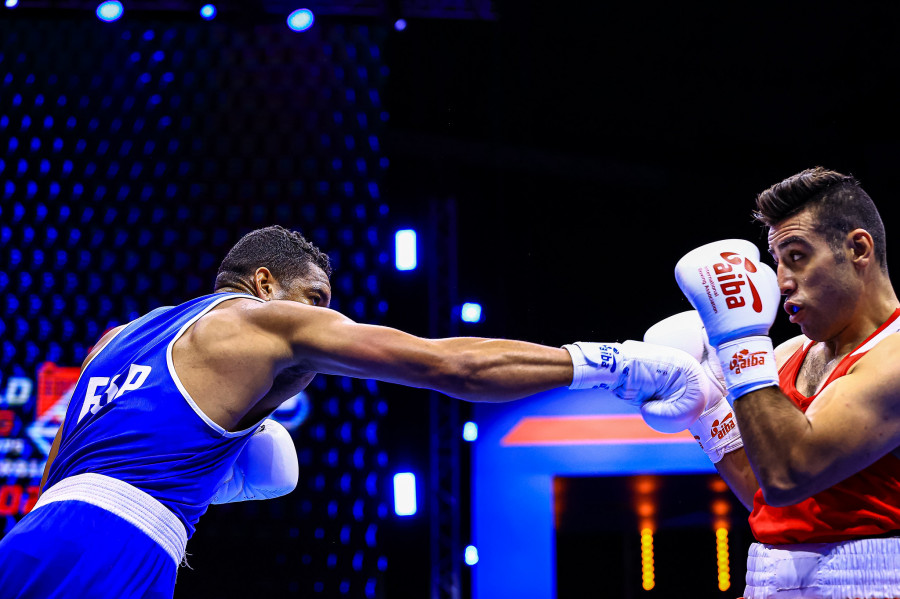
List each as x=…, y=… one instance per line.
x=554, y=161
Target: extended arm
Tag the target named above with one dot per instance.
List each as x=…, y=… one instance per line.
x=322, y=340
x=313, y=339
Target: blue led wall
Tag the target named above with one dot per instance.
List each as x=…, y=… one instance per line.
x=132, y=156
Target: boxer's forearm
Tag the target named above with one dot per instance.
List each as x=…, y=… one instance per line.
x=773, y=430
x=735, y=469
x=501, y=369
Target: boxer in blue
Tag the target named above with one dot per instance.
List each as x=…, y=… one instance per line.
x=169, y=413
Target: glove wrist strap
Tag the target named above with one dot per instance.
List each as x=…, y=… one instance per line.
x=596, y=365
x=748, y=364
x=717, y=431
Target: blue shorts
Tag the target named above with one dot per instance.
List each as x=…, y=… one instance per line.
x=71, y=549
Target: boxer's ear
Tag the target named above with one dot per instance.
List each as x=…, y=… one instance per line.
x=264, y=284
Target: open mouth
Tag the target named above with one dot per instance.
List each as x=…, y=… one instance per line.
x=793, y=311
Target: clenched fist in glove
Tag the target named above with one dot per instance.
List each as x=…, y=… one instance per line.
x=716, y=429
x=737, y=298
x=668, y=384
x=266, y=468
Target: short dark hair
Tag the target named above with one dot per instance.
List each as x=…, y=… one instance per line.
x=839, y=204
x=287, y=255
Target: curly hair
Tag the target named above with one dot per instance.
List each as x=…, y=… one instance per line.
x=287, y=254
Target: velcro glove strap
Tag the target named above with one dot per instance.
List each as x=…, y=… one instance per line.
x=669, y=384
x=597, y=365
x=633, y=370
x=717, y=431
x=748, y=364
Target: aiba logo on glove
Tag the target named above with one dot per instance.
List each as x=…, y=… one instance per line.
x=731, y=283
x=745, y=359
x=720, y=429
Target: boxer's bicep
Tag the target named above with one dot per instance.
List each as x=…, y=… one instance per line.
x=348, y=348
x=325, y=341
x=855, y=420
x=322, y=340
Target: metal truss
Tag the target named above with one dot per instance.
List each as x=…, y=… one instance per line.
x=444, y=476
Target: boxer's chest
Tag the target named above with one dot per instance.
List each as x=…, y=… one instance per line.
x=815, y=371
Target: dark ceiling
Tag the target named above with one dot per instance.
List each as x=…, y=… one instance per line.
x=590, y=145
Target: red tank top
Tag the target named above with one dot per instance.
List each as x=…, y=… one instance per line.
x=866, y=504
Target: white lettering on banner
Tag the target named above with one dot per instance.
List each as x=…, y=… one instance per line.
x=18, y=391
x=93, y=401
x=12, y=446
x=22, y=468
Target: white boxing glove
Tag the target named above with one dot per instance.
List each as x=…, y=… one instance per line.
x=737, y=298
x=668, y=384
x=716, y=429
x=266, y=468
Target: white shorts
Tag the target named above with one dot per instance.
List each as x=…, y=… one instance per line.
x=859, y=569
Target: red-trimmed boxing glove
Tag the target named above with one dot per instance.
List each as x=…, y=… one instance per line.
x=716, y=428
x=737, y=298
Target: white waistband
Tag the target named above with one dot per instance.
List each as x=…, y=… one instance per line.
x=862, y=568
x=127, y=502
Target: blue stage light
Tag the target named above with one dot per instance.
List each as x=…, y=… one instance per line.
x=208, y=11
x=405, y=249
x=301, y=19
x=470, y=312
x=400, y=24
x=471, y=555
x=470, y=431
x=12, y=3
x=405, y=493
x=110, y=11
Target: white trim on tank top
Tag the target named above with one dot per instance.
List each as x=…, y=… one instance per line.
x=892, y=328
x=187, y=396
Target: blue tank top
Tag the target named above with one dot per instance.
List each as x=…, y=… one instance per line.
x=130, y=418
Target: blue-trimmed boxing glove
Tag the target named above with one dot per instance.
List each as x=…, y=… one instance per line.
x=668, y=384
x=266, y=468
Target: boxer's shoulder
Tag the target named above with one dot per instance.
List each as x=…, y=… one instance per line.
x=245, y=325
x=226, y=333
x=883, y=356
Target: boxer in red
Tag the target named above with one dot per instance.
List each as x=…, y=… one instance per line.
x=819, y=416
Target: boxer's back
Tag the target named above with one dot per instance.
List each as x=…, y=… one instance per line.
x=131, y=419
